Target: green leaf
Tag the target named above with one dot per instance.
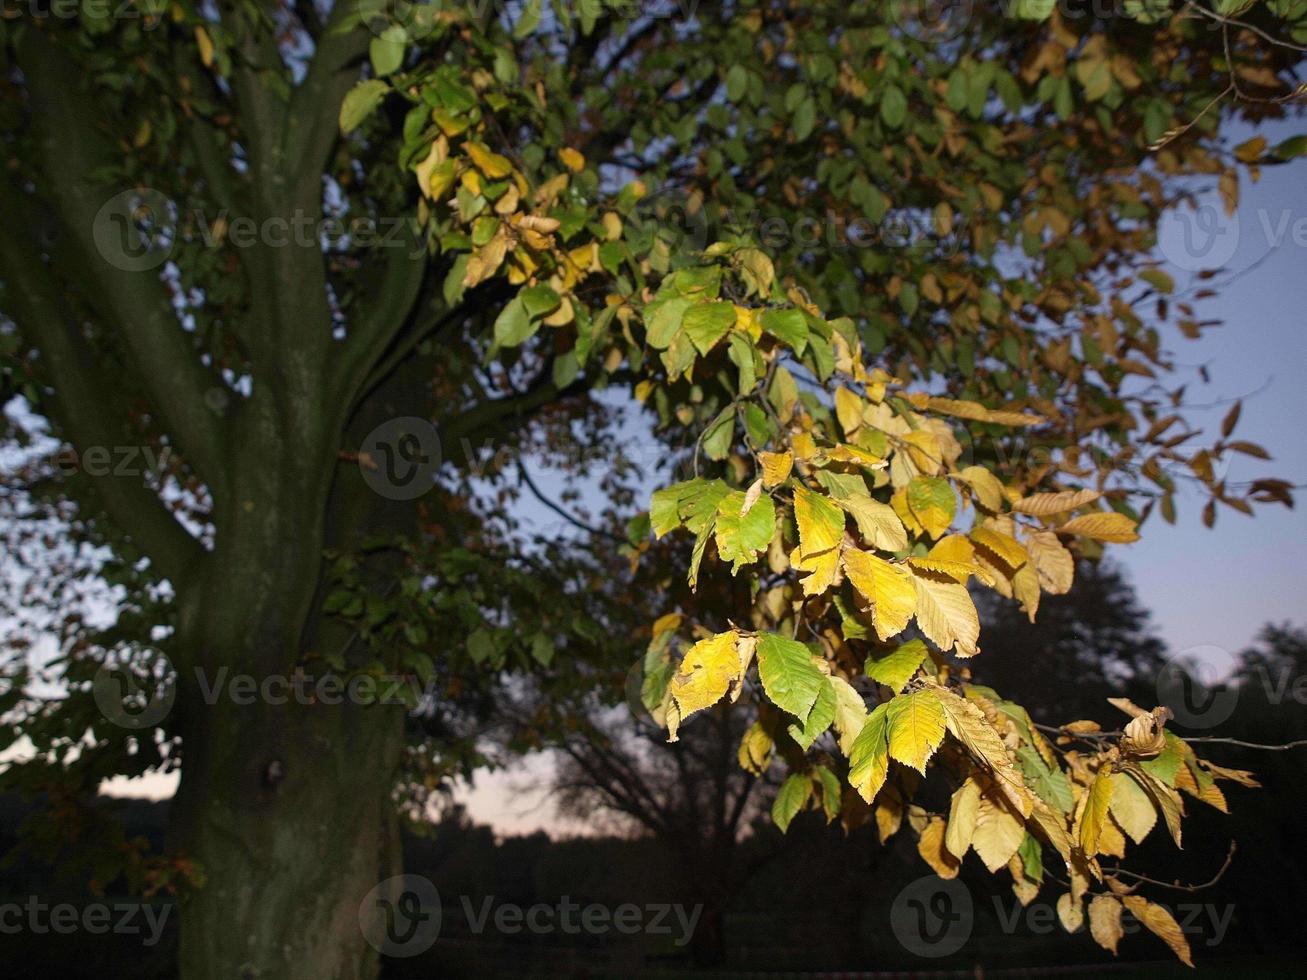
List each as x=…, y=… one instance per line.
x=514, y=325
x=706, y=323
x=1049, y=783
x=1032, y=859
x=528, y=21
x=387, y=51
x=740, y=352
x=481, y=646
x=790, y=799
x=789, y=326
x=740, y=537
x=1159, y=280
x=664, y=319
x=893, y=106
x=805, y=118
x=895, y=669
x=737, y=82
x=819, y=719
x=539, y=301
x=789, y=676
x=719, y=434
x=359, y=103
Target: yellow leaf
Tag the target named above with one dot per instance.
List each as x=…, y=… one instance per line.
x=889, y=813
x=1003, y=546
x=869, y=755
x=968, y=724
x=946, y=613
x=1106, y=526
x=485, y=262
x=1095, y=812
x=925, y=451
x=1044, y=504
x=755, y=750
x=1054, y=564
x=776, y=468
x=205, y=44
x=916, y=727
x=848, y=409
x=998, y=832
x=488, y=162
x=803, y=445
x=963, y=811
x=572, y=159
x=1105, y=921
x=953, y=548
x=1053, y=827
x=1167, y=800
x=889, y=589
x=821, y=529
x=958, y=571
x=985, y=487
x=1131, y=807
x=1161, y=923
x=931, y=848
x=850, y=713
x=879, y=526
x=1070, y=912
x=706, y=673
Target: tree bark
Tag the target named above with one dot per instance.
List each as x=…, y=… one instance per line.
x=286, y=810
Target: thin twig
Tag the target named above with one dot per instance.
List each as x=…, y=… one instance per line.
x=567, y=516
x=1213, y=739
x=1144, y=879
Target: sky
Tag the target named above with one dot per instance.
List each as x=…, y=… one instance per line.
x=1209, y=590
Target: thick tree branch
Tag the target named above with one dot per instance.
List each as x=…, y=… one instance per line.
x=84, y=404
x=312, y=125
x=164, y=355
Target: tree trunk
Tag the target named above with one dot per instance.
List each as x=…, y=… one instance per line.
x=286, y=810
x=285, y=799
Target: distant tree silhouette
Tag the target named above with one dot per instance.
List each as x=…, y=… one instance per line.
x=1093, y=643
